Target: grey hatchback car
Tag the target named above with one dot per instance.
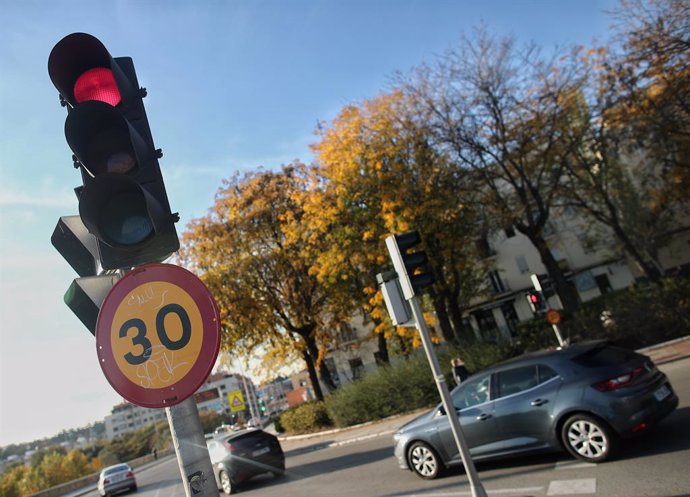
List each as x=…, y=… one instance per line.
x=584, y=399
x=240, y=455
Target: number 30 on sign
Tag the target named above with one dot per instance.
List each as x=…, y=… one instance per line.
x=158, y=335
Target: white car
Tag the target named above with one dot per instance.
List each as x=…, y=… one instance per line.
x=116, y=478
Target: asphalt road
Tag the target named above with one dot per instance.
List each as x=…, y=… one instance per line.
x=655, y=464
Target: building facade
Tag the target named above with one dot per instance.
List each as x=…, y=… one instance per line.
x=594, y=266
x=216, y=394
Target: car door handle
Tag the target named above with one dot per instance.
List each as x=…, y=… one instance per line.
x=483, y=416
x=539, y=402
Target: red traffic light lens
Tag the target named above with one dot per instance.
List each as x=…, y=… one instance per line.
x=97, y=84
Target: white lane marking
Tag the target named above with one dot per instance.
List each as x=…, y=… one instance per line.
x=569, y=487
x=574, y=465
x=498, y=491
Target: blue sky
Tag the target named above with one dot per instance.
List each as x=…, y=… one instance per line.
x=233, y=85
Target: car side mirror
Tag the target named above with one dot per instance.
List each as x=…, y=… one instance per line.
x=442, y=411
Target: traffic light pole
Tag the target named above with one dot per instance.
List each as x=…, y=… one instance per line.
x=190, y=446
x=413, y=273
x=476, y=486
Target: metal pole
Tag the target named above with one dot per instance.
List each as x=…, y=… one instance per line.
x=559, y=337
x=475, y=485
x=190, y=446
x=250, y=398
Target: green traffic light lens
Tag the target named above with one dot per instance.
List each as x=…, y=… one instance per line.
x=125, y=220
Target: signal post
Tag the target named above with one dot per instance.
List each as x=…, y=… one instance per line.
x=157, y=327
x=414, y=274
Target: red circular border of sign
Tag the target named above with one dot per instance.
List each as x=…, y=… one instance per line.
x=553, y=316
x=210, y=316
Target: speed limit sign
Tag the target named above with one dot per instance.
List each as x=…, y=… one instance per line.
x=158, y=335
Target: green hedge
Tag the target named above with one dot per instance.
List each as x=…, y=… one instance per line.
x=389, y=390
x=307, y=417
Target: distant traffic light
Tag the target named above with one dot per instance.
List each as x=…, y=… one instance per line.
x=123, y=201
x=413, y=268
x=536, y=301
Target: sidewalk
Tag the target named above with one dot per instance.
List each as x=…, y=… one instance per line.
x=668, y=351
x=661, y=353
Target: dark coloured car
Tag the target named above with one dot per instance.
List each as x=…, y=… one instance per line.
x=116, y=478
x=240, y=455
x=585, y=399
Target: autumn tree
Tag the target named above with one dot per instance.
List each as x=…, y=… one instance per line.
x=608, y=177
x=492, y=109
x=648, y=83
x=261, y=277
x=377, y=173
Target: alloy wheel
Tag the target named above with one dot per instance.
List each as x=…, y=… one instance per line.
x=424, y=461
x=587, y=438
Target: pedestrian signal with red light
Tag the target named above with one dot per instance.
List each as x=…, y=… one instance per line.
x=536, y=301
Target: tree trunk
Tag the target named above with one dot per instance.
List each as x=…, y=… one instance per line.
x=462, y=333
x=440, y=306
x=316, y=386
x=649, y=269
x=564, y=288
x=382, y=354
x=324, y=373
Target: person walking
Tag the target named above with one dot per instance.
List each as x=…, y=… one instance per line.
x=460, y=373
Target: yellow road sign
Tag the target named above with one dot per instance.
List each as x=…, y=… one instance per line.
x=236, y=401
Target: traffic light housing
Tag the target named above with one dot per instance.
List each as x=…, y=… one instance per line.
x=536, y=301
x=414, y=271
x=123, y=202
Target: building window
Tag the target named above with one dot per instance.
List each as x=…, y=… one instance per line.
x=603, y=283
x=333, y=370
x=346, y=334
x=486, y=323
x=522, y=265
x=357, y=368
x=511, y=317
x=498, y=285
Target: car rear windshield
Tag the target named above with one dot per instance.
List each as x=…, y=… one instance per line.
x=604, y=356
x=116, y=469
x=248, y=438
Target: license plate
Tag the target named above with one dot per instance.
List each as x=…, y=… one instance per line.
x=662, y=393
x=261, y=451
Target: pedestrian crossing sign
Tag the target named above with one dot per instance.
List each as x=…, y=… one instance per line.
x=236, y=401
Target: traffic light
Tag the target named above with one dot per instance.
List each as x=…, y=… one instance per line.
x=79, y=248
x=123, y=202
x=413, y=268
x=536, y=301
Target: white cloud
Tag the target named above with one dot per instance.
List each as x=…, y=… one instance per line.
x=45, y=194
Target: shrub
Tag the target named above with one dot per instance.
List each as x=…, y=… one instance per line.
x=389, y=390
x=307, y=417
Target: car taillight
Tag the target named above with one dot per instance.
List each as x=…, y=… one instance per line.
x=106, y=481
x=229, y=446
x=618, y=382
x=129, y=474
